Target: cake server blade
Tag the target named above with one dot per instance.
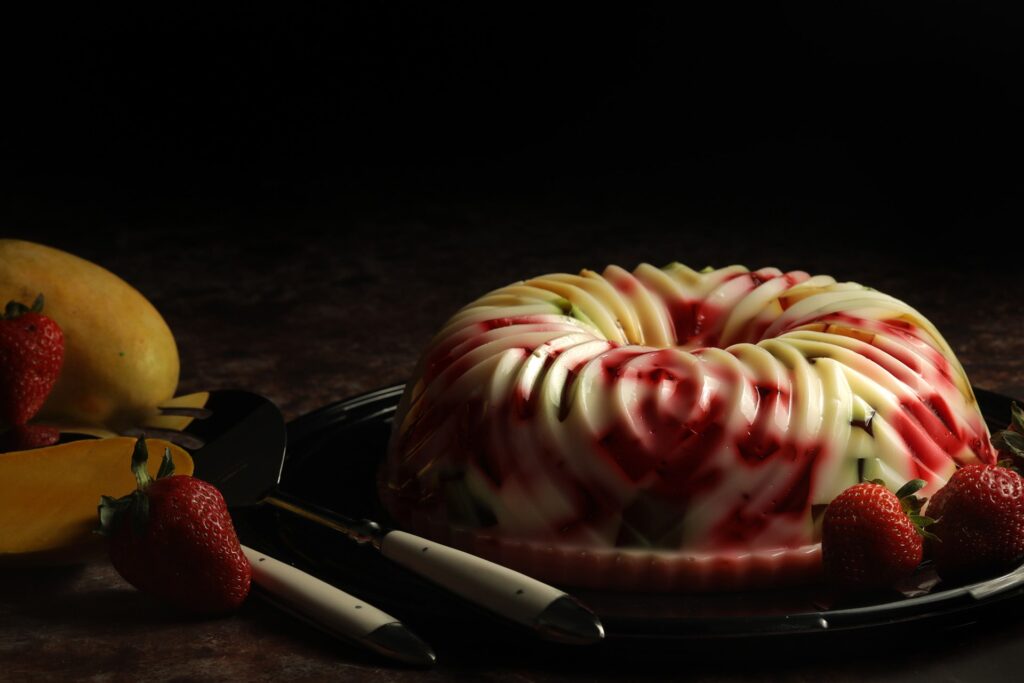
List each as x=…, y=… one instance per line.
x=549, y=612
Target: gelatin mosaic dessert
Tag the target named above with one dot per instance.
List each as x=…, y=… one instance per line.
x=668, y=429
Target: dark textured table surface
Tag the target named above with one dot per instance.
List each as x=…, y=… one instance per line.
x=308, y=307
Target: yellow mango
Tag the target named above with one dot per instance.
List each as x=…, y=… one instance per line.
x=49, y=496
x=120, y=359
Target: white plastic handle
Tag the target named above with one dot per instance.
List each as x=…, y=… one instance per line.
x=320, y=602
x=499, y=589
x=337, y=612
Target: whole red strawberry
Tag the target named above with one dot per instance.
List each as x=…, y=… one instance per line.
x=872, y=538
x=173, y=538
x=980, y=522
x=31, y=355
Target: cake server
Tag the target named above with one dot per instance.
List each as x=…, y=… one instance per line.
x=245, y=460
x=237, y=439
x=551, y=613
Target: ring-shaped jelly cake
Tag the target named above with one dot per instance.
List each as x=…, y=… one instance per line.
x=669, y=429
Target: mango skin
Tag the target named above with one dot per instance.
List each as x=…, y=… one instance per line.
x=120, y=358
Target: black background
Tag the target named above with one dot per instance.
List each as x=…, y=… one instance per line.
x=868, y=128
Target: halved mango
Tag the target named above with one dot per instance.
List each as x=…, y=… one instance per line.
x=120, y=357
x=48, y=496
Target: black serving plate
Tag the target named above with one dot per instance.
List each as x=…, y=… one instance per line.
x=333, y=456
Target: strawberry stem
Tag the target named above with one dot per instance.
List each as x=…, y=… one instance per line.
x=140, y=462
x=15, y=309
x=136, y=504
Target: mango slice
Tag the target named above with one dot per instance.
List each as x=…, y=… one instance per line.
x=48, y=496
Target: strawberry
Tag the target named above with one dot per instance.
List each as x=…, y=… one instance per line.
x=31, y=355
x=872, y=538
x=980, y=522
x=173, y=538
x=25, y=437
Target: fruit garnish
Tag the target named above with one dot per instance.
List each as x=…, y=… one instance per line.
x=1010, y=441
x=48, y=495
x=980, y=521
x=31, y=356
x=173, y=538
x=872, y=538
x=25, y=437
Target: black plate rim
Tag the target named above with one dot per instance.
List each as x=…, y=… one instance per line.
x=382, y=403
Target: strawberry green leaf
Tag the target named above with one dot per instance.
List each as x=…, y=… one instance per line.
x=910, y=503
x=166, y=465
x=921, y=520
x=113, y=510
x=910, y=488
x=1009, y=442
x=110, y=510
x=921, y=523
x=14, y=309
x=1010, y=464
x=1017, y=418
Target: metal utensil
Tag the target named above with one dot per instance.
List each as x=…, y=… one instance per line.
x=237, y=441
x=245, y=461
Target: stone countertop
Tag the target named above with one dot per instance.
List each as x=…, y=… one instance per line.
x=308, y=308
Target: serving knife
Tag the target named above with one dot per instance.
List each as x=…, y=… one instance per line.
x=245, y=438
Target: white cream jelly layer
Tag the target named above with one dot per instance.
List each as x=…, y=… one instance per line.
x=674, y=410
